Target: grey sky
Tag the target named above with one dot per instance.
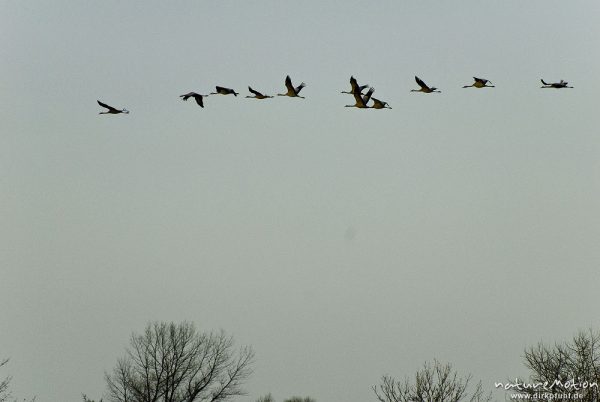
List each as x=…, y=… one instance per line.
x=342, y=244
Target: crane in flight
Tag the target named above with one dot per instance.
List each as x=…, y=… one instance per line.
x=291, y=90
x=257, y=95
x=479, y=83
x=197, y=97
x=377, y=104
x=557, y=85
x=111, y=110
x=424, y=88
x=354, y=86
x=224, y=91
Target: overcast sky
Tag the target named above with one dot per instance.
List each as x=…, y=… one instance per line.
x=342, y=244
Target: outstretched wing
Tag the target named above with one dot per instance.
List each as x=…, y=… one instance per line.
x=188, y=95
x=106, y=106
x=367, y=96
x=288, y=84
x=254, y=92
x=421, y=83
x=197, y=98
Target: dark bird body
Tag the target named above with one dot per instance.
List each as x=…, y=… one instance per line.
x=224, y=91
x=479, y=83
x=377, y=104
x=362, y=100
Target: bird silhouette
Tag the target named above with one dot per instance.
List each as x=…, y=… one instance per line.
x=257, y=95
x=479, y=83
x=291, y=90
x=111, y=110
x=354, y=86
x=377, y=104
x=557, y=85
x=424, y=88
x=194, y=95
x=224, y=91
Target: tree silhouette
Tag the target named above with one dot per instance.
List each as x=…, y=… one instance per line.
x=433, y=383
x=174, y=363
x=576, y=361
x=4, y=391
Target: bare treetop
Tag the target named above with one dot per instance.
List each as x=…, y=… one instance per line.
x=577, y=360
x=433, y=383
x=173, y=362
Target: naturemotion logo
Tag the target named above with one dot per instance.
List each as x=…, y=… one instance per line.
x=557, y=390
x=570, y=385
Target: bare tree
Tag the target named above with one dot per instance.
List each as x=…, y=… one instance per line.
x=269, y=398
x=174, y=363
x=4, y=391
x=565, y=367
x=433, y=383
x=266, y=398
x=300, y=399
